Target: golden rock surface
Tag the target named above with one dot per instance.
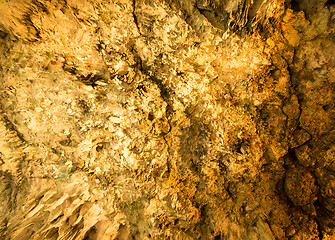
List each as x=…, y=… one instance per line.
x=167, y=119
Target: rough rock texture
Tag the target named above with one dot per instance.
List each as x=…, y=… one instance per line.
x=175, y=119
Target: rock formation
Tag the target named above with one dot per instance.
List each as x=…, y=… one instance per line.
x=167, y=119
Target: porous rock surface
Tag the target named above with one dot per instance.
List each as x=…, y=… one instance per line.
x=167, y=119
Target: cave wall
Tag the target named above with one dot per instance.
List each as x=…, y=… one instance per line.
x=186, y=119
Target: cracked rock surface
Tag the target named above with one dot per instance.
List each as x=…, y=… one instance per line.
x=167, y=119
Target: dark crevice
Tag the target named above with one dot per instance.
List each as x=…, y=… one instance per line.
x=280, y=192
x=330, y=3
x=135, y=17
x=151, y=117
x=1, y=159
x=26, y=20
x=91, y=79
x=326, y=107
x=122, y=232
x=295, y=6
x=91, y=234
x=218, y=237
x=40, y=6
x=319, y=228
x=56, y=219
x=70, y=69
x=11, y=127
x=303, y=143
x=3, y=34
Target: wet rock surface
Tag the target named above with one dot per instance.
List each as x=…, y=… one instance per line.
x=167, y=119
